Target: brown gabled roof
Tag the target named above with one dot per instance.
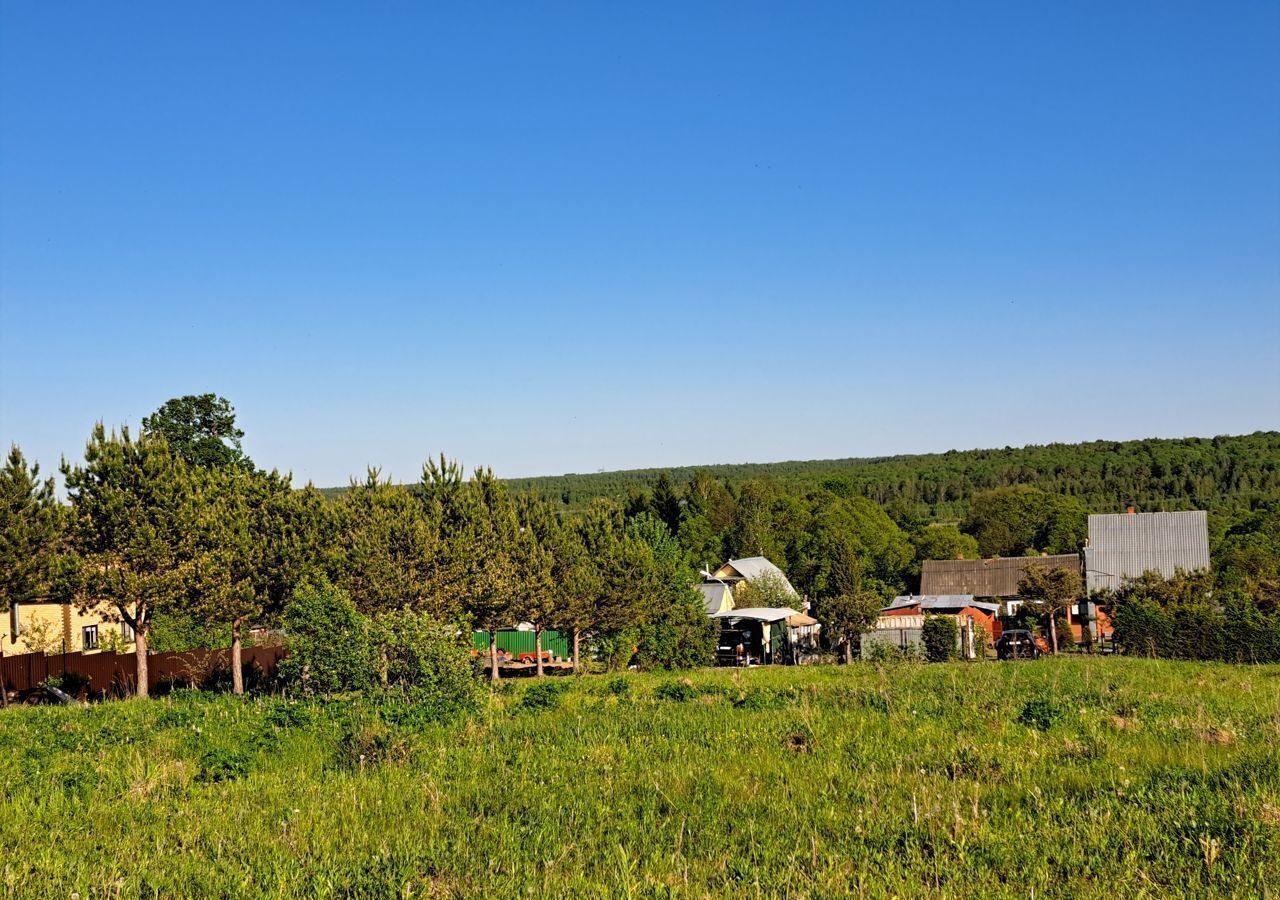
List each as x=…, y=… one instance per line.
x=997, y=577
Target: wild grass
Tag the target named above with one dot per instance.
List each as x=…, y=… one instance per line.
x=1081, y=777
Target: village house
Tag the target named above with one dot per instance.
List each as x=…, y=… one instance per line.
x=901, y=623
x=749, y=569
x=51, y=627
x=997, y=579
x=1126, y=545
x=757, y=635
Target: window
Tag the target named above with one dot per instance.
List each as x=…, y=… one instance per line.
x=126, y=632
x=90, y=637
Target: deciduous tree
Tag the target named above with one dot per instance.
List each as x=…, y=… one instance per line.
x=201, y=429
x=1049, y=591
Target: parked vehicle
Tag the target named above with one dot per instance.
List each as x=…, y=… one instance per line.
x=1017, y=643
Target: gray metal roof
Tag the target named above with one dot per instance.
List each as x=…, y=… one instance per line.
x=996, y=577
x=714, y=595
x=941, y=601
x=754, y=566
x=1126, y=545
x=760, y=613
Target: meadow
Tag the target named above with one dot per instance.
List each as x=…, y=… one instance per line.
x=1063, y=777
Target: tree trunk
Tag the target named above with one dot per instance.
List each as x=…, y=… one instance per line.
x=577, y=633
x=237, y=666
x=537, y=647
x=140, y=657
x=1053, y=632
x=4, y=687
x=848, y=651
x=493, y=656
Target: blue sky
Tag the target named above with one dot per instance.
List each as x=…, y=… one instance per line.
x=563, y=237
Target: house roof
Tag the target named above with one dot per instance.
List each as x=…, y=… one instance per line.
x=716, y=595
x=942, y=601
x=752, y=567
x=760, y=613
x=996, y=577
x=1126, y=545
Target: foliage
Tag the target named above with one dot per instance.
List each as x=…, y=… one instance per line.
x=386, y=549
x=1185, y=617
x=1247, y=556
x=1221, y=474
x=221, y=764
x=543, y=695
x=1022, y=520
x=940, y=636
x=201, y=430
x=949, y=786
x=679, y=691
x=767, y=590
x=1047, y=592
x=130, y=535
x=424, y=660
x=845, y=616
x=330, y=649
x=675, y=631
x=1040, y=712
x=29, y=529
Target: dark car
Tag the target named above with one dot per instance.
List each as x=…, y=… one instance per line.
x=1017, y=643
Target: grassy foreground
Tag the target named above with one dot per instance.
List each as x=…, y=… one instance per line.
x=1082, y=777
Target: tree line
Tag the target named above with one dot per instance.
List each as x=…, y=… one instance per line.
x=192, y=544
x=1226, y=474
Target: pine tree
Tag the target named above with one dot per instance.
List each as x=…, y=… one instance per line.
x=133, y=520
x=29, y=531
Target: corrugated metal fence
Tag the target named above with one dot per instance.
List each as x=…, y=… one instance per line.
x=113, y=674
x=517, y=642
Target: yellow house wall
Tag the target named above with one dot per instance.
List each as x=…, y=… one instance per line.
x=56, y=617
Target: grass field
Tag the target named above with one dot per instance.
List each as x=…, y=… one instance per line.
x=1079, y=777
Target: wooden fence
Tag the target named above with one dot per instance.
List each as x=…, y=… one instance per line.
x=113, y=674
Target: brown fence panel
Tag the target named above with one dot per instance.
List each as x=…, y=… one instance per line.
x=113, y=674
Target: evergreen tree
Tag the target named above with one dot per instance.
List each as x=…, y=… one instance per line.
x=386, y=552
x=29, y=533
x=665, y=503
x=131, y=533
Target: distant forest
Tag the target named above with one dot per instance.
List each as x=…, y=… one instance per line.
x=1226, y=475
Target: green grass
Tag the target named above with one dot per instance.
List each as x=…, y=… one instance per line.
x=1081, y=777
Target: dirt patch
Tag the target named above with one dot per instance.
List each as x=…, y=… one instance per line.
x=800, y=742
x=1219, y=736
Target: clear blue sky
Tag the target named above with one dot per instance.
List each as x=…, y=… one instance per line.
x=561, y=237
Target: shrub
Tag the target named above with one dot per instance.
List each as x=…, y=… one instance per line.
x=680, y=636
x=372, y=743
x=284, y=714
x=221, y=764
x=425, y=661
x=680, y=691
x=1040, y=713
x=618, y=686
x=328, y=641
x=543, y=695
x=940, y=635
x=1066, y=637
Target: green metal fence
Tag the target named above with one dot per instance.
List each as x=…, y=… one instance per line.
x=517, y=642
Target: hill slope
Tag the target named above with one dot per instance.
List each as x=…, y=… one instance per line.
x=1222, y=474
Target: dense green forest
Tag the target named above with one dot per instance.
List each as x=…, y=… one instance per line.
x=1226, y=474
